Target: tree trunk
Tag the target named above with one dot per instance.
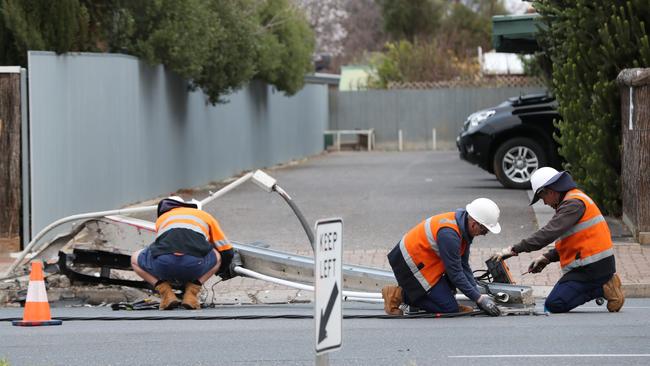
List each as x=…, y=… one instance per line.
x=10, y=160
x=635, y=154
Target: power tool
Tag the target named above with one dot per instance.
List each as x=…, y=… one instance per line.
x=498, y=271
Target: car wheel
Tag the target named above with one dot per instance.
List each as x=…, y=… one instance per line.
x=516, y=159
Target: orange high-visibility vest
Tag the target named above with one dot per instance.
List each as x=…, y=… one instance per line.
x=196, y=220
x=588, y=241
x=419, y=247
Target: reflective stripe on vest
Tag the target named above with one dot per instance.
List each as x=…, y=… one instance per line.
x=222, y=243
x=577, y=194
x=583, y=225
x=184, y=222
x=420, y=250
x=589, y=260
x=432, y=241
x=588, y=241
x=412, y=266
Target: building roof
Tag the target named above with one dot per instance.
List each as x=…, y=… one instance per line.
x=516, y=33
x=322, y=78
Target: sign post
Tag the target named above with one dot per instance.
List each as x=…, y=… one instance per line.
x=327, y=279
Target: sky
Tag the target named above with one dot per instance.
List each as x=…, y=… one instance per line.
x=517, y=6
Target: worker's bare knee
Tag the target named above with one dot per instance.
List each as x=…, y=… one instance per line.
x=134, y=258
x=218, y=263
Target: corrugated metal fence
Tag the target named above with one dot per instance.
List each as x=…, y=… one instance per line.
x=107, y=130
x=415, y=112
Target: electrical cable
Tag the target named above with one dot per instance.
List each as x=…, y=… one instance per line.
x=212, y=290
x=257, y=317
x=486, y=276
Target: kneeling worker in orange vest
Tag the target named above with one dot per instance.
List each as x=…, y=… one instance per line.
x=432, y=260
x=189, y=248
x=583, y=245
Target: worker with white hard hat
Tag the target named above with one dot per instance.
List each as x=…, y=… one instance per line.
x=189, y=248
x=432, y=260
x=583, y=245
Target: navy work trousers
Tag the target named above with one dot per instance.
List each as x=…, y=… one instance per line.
x=439, y=299
x=568, y=295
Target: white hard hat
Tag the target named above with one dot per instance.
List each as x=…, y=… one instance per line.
x=176, y=198
x=172, y=202
x=186, y=202
x=195, y=202
x=543, y=177
x=485, y=212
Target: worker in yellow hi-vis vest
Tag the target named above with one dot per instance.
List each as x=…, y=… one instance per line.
x=189, y=248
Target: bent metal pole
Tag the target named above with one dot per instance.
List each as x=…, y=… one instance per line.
x=126, y=211
x=350, y=295
x=91, y=215
x=301, y=286
x=227, y=188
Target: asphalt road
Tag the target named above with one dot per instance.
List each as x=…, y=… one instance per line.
x=586, y=336
x=379, y=195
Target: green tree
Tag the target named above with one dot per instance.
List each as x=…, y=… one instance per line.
x=589, y=44
x=463, y=30
x=406, y=62
x=411, y=19
x=59, y=26
x=209, y=42
x=285, y=47
x=448, y=53
x=7, y=42
x=218, y=45
x=174, y=33
x=232, y=59
x=487, y=8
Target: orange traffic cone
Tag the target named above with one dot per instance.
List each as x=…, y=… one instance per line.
x=37, y=309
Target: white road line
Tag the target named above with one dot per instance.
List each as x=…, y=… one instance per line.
x=551, y=355
x=625, y=307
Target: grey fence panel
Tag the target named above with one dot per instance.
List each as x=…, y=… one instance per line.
x=108, y=130
x=368, y=109
x=415, y=112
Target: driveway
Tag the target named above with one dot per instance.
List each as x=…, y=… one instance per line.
x=379, y=195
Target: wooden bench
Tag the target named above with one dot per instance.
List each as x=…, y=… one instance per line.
x=367, y=136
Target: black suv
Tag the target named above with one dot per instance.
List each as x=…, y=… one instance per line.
x=512, y=139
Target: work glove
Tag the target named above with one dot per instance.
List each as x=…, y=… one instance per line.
x=230, y=259
x=236, y=262
x=538, y=264
x=488, y=305
x=504, y=253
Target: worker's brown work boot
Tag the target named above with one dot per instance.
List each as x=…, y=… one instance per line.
x=392, y=299
x=190, y=298
x=465, y=308
x=614, y=294
x=168, y=299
